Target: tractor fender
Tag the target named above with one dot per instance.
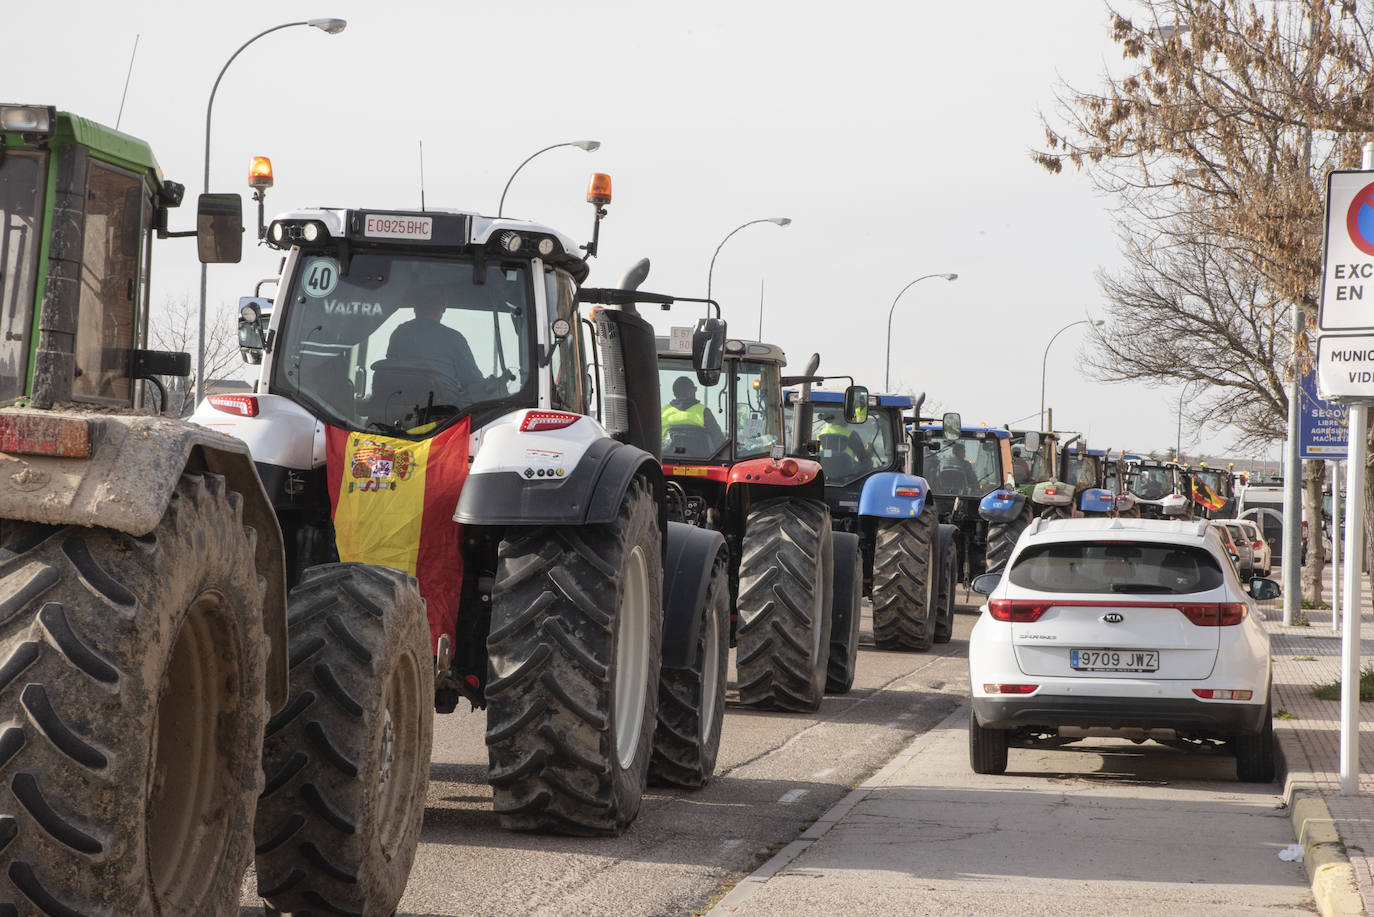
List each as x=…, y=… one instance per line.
x=691, y=552
x=753, y=480
x=126, y=483
x=576, y=475
x=1096, y=500
x=1053, y=493
x=892, y=494
x=281, y=433
x=1002, y=505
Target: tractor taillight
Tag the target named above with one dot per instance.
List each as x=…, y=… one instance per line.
x=242, y=405
x=29, y=434
x=907, y=491
x=538, y=421
x=789, y=468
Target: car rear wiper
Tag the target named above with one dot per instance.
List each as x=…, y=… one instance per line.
x=1139, y=587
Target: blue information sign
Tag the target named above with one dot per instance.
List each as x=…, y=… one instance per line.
x=1323, y=424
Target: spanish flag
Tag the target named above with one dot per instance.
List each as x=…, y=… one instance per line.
x=393, y=500
x=1205, y=496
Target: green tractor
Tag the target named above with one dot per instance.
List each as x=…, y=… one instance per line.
x=143, y=645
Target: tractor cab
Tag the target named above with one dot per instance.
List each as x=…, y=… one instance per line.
x=1034, y=457
x=852, y=452
x=79, y=206
x=736, y=418
x=973, y=461
x=1213, y=492
x=1162, y=490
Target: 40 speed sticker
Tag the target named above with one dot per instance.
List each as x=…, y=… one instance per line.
x=319, y=277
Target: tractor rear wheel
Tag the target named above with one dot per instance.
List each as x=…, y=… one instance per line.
x=691, y=701
x=347, y=756
x=844, y=631
x=904, y=583
x=132, y=670
x=1002, y=537
x=574, y=653
x=949, y=572
x=785, y=603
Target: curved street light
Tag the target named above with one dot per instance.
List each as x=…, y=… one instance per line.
x=1095, y=322
x=777, y=221
x=888, y=366
x=329, y=27
x=590, y=146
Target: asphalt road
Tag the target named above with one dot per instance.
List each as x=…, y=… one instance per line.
x=775, y=775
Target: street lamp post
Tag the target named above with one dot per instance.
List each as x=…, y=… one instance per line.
x=590, y=146
x=777, y=221
x=1044, y=360
x=887, y=368
x=329, y=27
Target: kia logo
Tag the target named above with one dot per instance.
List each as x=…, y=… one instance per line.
x=1113, y=617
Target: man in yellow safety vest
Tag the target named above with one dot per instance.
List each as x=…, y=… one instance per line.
x=686, y=411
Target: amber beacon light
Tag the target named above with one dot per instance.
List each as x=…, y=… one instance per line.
x=599, y=189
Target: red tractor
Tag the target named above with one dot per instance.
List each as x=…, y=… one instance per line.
x=795, y=584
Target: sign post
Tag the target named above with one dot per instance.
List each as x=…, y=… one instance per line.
x=1345, y=372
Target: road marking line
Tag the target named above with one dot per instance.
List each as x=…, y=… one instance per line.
x=792, y=796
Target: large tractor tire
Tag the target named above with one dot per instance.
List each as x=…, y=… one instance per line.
x=132, y=673
x=691, y=701
x=1002, y=537
x=844, y=629
x=948, y=562
x=347, y=757
x=785, y=603
x=574, y=649
x=905, y=587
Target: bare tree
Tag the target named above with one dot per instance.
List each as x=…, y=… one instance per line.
x=1215, y=140
x=175, y=326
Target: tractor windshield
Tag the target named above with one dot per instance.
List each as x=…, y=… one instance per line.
x=1083, y=471
x=1150, y=482
x=698, y=421
x=404, y=344
x=968, y=466
x=850, y=451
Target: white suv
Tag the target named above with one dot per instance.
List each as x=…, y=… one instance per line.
x=1138, y=628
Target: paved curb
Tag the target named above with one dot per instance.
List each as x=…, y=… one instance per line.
x=1328, y=868
x=752, y=883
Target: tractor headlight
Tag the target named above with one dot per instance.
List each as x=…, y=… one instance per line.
x=40, y=120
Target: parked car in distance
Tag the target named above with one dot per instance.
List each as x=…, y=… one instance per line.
x=1239, y=545
x=1132, y=628
x=1263, y=557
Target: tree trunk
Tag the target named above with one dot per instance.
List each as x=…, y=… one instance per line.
x=1314, y=477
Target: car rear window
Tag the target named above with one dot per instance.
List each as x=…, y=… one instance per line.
x=1116, y=566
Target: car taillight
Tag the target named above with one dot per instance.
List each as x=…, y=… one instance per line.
x=1223, y=694
x=1009, y=689
x=242, y=405
x=1214, y=614
x=537, y=421
x=1257, y=544
x=1016, y=611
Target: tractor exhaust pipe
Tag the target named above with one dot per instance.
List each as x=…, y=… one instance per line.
x=801, y=411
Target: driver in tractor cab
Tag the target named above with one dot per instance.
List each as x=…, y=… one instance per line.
x=426, y=342
x=837, y=439
x=1020, y=468
x=686, y=410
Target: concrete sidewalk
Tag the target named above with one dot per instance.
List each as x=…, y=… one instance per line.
x=1337, y=831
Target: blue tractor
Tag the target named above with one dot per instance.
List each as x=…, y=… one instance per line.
x=908, y=557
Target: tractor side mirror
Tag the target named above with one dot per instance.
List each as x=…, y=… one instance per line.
x=1032, y=441
x=855, y=404
x=951, y=425
x=708, y=350
x=219, y=228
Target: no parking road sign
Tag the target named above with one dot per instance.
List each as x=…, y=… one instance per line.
x=1345, y=345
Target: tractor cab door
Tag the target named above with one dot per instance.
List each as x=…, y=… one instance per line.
x=23, y=177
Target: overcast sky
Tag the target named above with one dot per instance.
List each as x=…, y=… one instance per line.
x=894, y=134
